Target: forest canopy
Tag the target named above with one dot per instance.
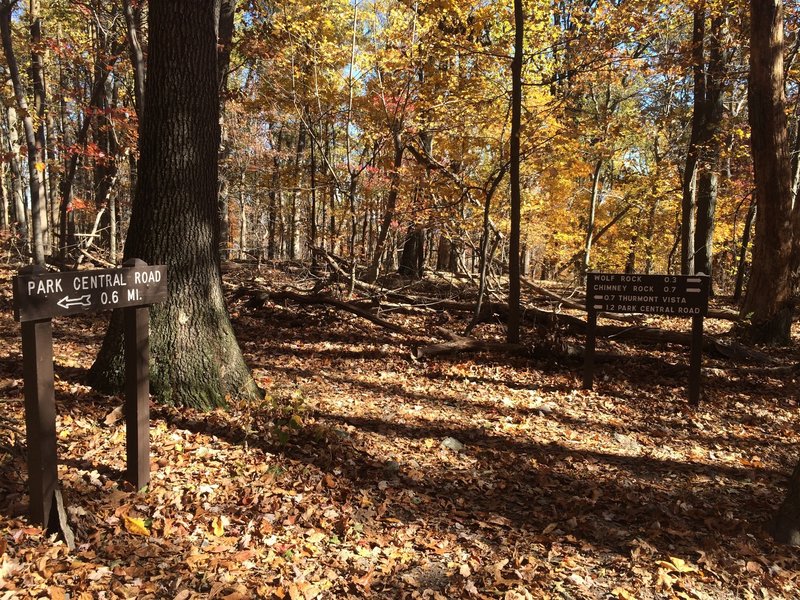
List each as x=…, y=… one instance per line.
x=380, y=129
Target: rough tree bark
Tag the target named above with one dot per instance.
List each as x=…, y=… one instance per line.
x=196, y=360
x=768, y=302
x=769, y=290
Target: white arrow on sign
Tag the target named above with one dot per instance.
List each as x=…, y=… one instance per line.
x=67, y=302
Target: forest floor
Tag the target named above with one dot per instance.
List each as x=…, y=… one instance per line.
x=367, y=473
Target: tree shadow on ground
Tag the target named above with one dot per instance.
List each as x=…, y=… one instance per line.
x=652, y=425
x=602, y=499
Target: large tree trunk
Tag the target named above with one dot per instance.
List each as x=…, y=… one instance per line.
x=768, y=301
x=786, y=524
x=196, y=360
x=413, y=256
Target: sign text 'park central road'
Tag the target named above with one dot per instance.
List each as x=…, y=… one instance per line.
x=46, y=295
x=668, y=295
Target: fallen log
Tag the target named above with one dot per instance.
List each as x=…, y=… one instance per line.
x=575, y=305
x=459, y=343
x=531, y=316
x=730, y=350
x=723, y=314
x=541, y=318
x=258, y=299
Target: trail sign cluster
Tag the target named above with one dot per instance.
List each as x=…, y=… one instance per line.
x=38, y=297
x=668, y=295
x=664, y=295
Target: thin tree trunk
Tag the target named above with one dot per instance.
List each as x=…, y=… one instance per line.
x=105, y=171
x=274, y=199
x=796, y=206
x=39, y=207
x=742, y=264
x=227, y=9
x=650, y=232
x=35, y=170
x=67, y=240
x=690, y=171
x=593, y=199
x=514, y=312
x=293, y=233
x=708, y=175
x=391, y=207
x=53, y=177
x=5, y=221
x=313, y=216
x=17, y=184
x=351, y=203
x=242, y=221
x=136, y=56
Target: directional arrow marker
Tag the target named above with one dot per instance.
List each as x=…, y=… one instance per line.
x=67, y=302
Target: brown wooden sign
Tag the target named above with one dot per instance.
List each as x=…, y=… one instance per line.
x=39, y=296
x=43, y=295
x=666, y=295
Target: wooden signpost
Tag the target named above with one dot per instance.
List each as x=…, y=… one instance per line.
x=667, y=295
x=38, y=297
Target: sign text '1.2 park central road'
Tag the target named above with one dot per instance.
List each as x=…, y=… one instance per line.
x=47, y=295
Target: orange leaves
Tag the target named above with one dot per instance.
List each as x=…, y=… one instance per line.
x=601, y=494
